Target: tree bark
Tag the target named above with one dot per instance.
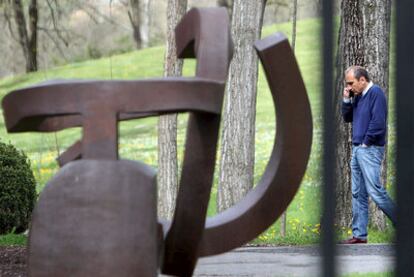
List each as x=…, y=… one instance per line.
x=237, y=149
x=33, y=19
x=294, y=19
x=167, y=125
x=27, y=40
x=146, y=22
x=376, y=16
x=363, y=40
x=350, y=52
x=134, y=15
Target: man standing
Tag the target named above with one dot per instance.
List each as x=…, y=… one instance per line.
x=364, y=105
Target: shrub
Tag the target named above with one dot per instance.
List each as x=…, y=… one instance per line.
x=93, y=52
x=17, y=190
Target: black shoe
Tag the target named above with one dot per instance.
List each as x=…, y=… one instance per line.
x=353, y=240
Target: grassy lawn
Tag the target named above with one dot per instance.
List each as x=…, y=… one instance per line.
x=12, y=239
x=138, y=138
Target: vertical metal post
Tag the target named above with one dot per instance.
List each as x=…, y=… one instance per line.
x=329, y=183
x=405, y=137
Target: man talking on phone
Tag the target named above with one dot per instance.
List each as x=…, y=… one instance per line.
x=364, y=105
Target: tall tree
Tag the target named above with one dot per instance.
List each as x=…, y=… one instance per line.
x=26, y=29
x=363, y=40
x=349, y=53
x=139, y=13
x=376, y=17
x=134, y=14
x=239, y=113
x=37, y=25
x=167, y=125
x=146, y=22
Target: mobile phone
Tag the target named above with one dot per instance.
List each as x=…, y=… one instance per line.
x=351, y=93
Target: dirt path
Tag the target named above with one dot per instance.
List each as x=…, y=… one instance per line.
x=256, y=261
x=12, y=261
x=296, y=261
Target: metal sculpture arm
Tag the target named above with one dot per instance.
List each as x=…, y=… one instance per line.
x=288, y=161
x=78, y=103
x=99, y=103
x=199, y=34
x=205, y=35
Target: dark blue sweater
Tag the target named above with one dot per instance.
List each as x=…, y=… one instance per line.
x=368, y=115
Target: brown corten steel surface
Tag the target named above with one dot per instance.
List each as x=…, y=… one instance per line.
x=74, y=204
x=96, y=218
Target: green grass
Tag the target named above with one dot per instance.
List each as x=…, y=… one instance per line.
x=12, y=239
x=138, y=138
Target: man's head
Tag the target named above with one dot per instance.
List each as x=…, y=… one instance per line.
x=356, y=79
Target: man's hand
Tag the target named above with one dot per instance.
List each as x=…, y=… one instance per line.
x=346, y=93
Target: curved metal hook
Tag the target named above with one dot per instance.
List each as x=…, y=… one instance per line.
x=281, y=179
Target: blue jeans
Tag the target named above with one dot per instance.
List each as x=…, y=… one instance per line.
x=366, y=180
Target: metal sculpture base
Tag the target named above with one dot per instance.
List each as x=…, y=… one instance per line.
x=96, y=218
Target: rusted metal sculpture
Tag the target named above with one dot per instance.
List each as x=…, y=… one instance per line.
x=97, y=216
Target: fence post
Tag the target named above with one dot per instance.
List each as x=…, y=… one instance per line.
x=328, y=234
x=405, y=137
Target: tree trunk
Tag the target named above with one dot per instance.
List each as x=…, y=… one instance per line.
x=294, y=19
x=376, y=16
x=134, y=15
x=237, y=150
x=167, y=125
x=27, y=41
x=350, y=52
x=32, y=43
x=363, y=40
x=283, y=218
x=146, y=22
